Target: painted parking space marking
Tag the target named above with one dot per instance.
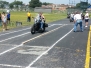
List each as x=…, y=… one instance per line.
x=29, y=66
x=87, y=61
x=8, y=32
x=29, y=40
x=14, y=37
x=33, y=50
x=26, y=51
x=12, y=65
x=24, y=34
x=63, y=24
x=43, y=34
x=13, y=32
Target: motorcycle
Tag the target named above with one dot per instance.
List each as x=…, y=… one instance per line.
x=71, y=19
x=36, y=27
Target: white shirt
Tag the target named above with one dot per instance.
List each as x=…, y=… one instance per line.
x=87, y=16
x=72, y=15
x=8, y=11
x=77, y=17
x=37, y=17
x=4, y=18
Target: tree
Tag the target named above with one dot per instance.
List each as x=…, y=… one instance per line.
x=3, y=4
x=77, y=5
x=35, y=3
x=16, y=4
x=82, y=5
x=11, y=5
x=45, y=3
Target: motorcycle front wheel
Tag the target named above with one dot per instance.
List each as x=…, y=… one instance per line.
x=32, y=30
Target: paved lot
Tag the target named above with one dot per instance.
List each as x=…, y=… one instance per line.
x=58, y=47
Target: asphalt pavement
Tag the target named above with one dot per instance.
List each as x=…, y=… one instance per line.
x=57, y=47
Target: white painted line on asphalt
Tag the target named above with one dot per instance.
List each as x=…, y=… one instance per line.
x=14, y=37
x=18, y=31
x=18, y=36
x=10, y=49
x=50, y=25
x=29, y=66
x=13, y=32
x=42, y=35
x=11, y=65
x=26, y=41
x=61, y=24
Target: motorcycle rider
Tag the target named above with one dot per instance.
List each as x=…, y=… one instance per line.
x=72, y=17
x=40, y=19
x=82, y=15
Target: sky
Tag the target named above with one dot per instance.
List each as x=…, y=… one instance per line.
x=53, y=1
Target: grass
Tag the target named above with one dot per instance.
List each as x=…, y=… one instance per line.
x=22, y=17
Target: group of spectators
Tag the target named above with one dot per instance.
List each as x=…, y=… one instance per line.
x=4, y=20
x=78, y=18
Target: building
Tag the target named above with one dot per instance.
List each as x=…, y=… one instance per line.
x=61, y=7
x=43, y=9
x=50, y=7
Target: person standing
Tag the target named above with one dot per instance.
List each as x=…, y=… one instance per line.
x=77, y=20
x=86, y=19
x=4, y=21
x=28, y=17
x=42, y=19
x=72, y=16
x=8, y=18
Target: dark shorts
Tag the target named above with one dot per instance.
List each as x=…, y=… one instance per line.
x=86, y=20
x=8, y=19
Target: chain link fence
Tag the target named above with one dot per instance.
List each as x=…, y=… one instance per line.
x=70, y=10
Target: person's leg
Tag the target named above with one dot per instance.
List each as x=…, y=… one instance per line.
x=72, y=19
x=29, y=19
x=9, y=21
x=41, y=24
x=81, y=26
x=75, y=26
x=86, y=22
x=3, y=26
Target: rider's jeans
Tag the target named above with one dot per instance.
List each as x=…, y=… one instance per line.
x=76, y=24
x=41, y=24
